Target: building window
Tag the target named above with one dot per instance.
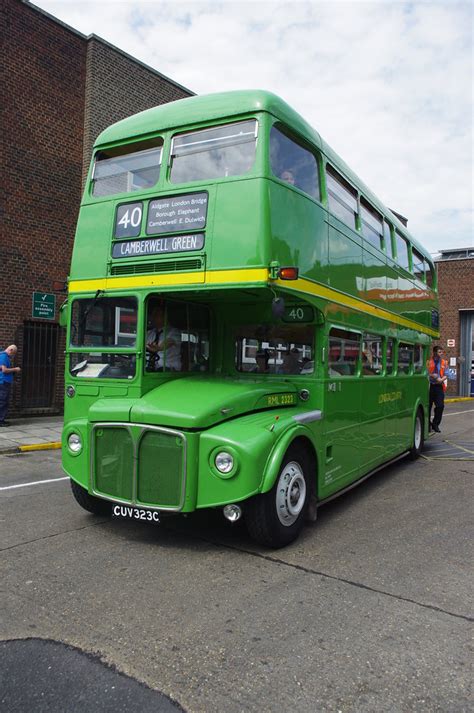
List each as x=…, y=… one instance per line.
x=294, y=164
x=342, y=198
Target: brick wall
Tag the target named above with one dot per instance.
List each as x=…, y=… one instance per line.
x=117, y=87
x=456, y=291
x=61, y=90
x=42, y=127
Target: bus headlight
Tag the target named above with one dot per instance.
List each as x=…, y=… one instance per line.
x=224, y=462
x=74, y=442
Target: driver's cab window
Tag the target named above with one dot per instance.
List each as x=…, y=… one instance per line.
x=177, y=336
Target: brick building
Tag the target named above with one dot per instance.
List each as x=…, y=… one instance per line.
x=61, y=89
x=456, y=298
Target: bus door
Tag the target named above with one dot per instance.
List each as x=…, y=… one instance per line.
x=342, y=410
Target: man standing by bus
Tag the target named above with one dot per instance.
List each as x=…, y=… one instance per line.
x=438, y=385
x=6, y=379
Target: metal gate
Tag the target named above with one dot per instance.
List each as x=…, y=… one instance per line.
x=38, y=372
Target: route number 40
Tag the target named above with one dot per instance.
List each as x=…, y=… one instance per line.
x=128, y=220
x=131, y=217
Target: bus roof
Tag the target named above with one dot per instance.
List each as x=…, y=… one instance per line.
x=210, y=107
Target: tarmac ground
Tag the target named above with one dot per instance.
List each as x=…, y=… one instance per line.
x=370, y=610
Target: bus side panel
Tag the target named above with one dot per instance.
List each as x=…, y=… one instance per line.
x=299, y=232
x=240, y=226
x=92, y=243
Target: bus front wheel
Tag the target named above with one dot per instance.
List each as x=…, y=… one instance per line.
x=88, y=502
x=275, y=518
x=418, y=435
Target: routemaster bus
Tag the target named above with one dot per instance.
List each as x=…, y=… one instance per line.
x=247, y=324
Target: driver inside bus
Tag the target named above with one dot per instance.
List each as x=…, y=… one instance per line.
x=163, y=342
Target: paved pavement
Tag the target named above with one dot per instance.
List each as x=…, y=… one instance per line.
x=34, y=433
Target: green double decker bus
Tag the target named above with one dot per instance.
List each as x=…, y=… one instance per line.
x=247, y=325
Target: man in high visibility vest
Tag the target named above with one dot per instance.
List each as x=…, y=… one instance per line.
x=438, y=384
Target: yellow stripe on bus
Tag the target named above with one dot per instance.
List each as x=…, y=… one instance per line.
x=253, y=275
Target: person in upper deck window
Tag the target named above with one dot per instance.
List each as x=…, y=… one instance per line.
x=288, y=176
x=163, y=343
x=6, y=379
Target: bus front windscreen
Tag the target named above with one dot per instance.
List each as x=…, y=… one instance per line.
x=103, y=322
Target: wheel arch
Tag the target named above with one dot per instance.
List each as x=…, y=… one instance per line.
x=300, y=437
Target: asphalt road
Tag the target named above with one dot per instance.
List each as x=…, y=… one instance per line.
x=369, y=611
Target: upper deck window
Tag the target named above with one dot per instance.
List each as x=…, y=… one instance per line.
x=418, y=265
x=372, y=224
x=125, y=169
x=402, y=251
x=214, y=153
x=293, y=163
x=342, y=198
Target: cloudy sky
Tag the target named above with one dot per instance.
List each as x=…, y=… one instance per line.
x=387, y=83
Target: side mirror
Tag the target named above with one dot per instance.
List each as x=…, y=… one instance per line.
x=64, y=314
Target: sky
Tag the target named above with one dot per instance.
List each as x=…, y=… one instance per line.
x=388, y=84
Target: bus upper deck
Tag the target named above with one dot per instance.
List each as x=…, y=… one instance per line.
x=241, y=189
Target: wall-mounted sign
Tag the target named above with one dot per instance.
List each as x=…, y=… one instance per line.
x=155, y=246
x=44, y=305
x=177, y=213
x=451, y=342
x=452, y=361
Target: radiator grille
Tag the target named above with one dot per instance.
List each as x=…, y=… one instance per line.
x=114, y=462
x=161, y=266
x=139, y=465
x=160, y=469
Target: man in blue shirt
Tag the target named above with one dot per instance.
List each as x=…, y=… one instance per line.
x=6, y=379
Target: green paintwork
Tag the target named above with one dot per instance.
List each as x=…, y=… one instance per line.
x=253, y=221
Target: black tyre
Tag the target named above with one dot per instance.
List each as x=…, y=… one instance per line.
x=88, y=502
x=418, y=435
x=275, y=518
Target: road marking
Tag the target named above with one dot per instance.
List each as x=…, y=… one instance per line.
x=456, y=413
x=36, y=482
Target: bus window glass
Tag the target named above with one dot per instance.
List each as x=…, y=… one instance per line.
x=402, y=251
x=104, y=322
x=95, y=365
x=388, y=240
x=342, y=198
x=405, y=358
x=372, y=224
x=419, y=361
x=274, y=349
x=214, y=153
x=389, y=357
x=371, y=355
x=343, y=352
x=177, y=336
x=418, y=265
x=129, y=168
x=430, y=274
x=293, y=163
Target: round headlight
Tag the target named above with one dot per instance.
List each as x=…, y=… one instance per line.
x=74, y=442
x=224, y=462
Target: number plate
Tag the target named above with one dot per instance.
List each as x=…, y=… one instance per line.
x=131, y=513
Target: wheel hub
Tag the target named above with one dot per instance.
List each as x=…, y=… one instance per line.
x=291, y=493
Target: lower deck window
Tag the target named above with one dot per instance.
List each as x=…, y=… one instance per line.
x=405, y=358
x=272, y=349
x=343, y=352
x=95, y=365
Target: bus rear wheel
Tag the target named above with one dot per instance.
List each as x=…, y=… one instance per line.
x=418, y=436
x=276, y=518
x=88, y=502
